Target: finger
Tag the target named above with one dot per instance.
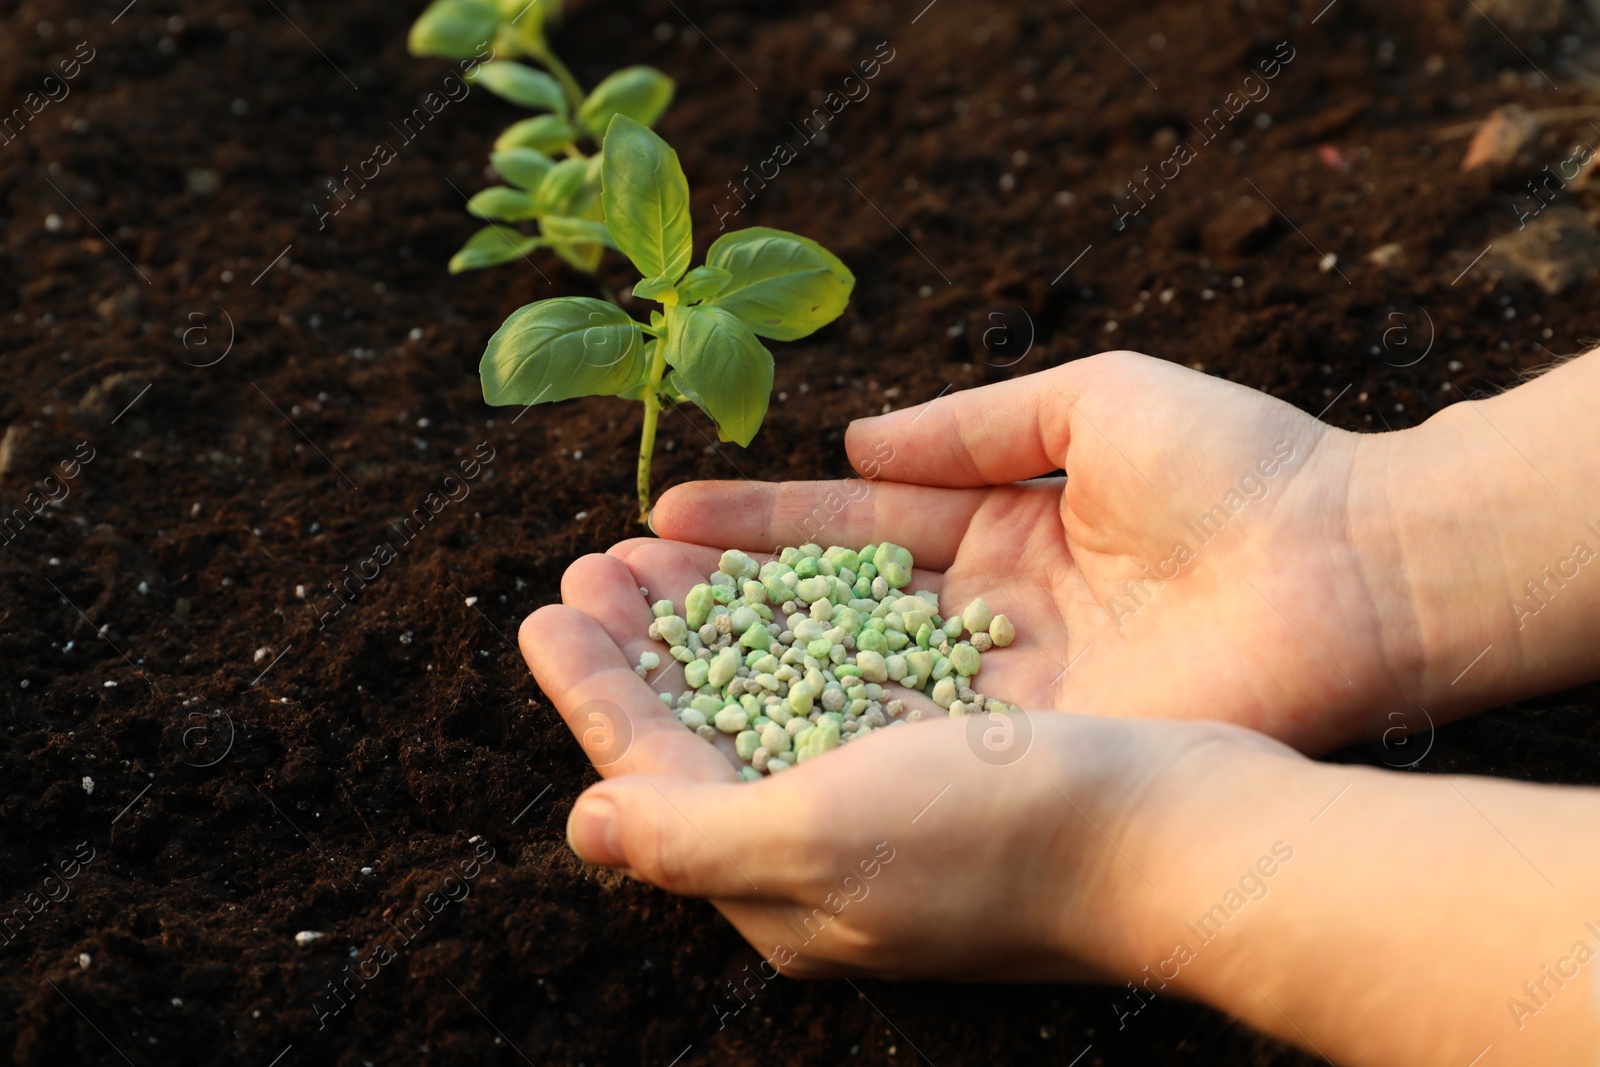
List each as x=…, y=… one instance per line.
x=606, y=589
x=992, y=435
x=667, y=568
x=623, y=727
x=692, y=838
x=765, y=516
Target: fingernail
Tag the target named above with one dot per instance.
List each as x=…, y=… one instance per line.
x=650, y=521
x=593, y=833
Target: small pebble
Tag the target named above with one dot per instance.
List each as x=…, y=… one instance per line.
x=309, y=937
x=794, y=656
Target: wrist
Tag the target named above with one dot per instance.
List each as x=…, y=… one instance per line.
x=1417, y=527
x=1180, y=831
x=1481, y=538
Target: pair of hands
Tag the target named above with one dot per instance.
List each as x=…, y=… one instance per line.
x=1212, y=554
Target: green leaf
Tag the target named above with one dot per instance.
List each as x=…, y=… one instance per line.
x=784, y=286
x=593, y=208
x=569, y=228
x=563, y=348
x=646, y=200
x=522, y=85
x=722, y=367
x=654, y=288
x=490, y=247
x=523, y=167
x=565, y=190
x=524, y=10
x=585, y=257
x=546, y=133
x=453, y=29
x=580, y=242
x=641, y=93
x=499, y=202
x=702, y=283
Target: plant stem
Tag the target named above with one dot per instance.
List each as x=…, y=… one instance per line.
x=569, y=84
x=647, y=437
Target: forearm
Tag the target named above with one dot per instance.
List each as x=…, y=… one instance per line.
x=1376, y=917
x=1490, y=512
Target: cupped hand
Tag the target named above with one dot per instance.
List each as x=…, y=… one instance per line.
x=1006, y=847
x=1211, y=553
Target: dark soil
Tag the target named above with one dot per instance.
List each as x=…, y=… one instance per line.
x=256, y=775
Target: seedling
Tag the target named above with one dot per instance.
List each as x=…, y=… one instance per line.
x=463, y=29
x=563, y=198
x=704, y=345
x=794, y=657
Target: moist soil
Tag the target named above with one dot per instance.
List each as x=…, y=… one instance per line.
x=269, y=378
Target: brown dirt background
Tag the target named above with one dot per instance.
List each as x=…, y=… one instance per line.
x=410, y=724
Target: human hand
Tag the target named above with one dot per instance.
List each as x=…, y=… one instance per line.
x=1183, y=806
x=924, y=850
x=1193, y=859
x=1212, y=552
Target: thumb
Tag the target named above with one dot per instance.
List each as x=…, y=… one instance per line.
x=992, y=435
x=692, y=838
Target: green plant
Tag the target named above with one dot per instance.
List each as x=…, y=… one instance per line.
x=704, y=345
x=563, y=198
x=460, y=29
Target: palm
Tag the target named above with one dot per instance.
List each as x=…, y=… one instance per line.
x=1266, y=614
